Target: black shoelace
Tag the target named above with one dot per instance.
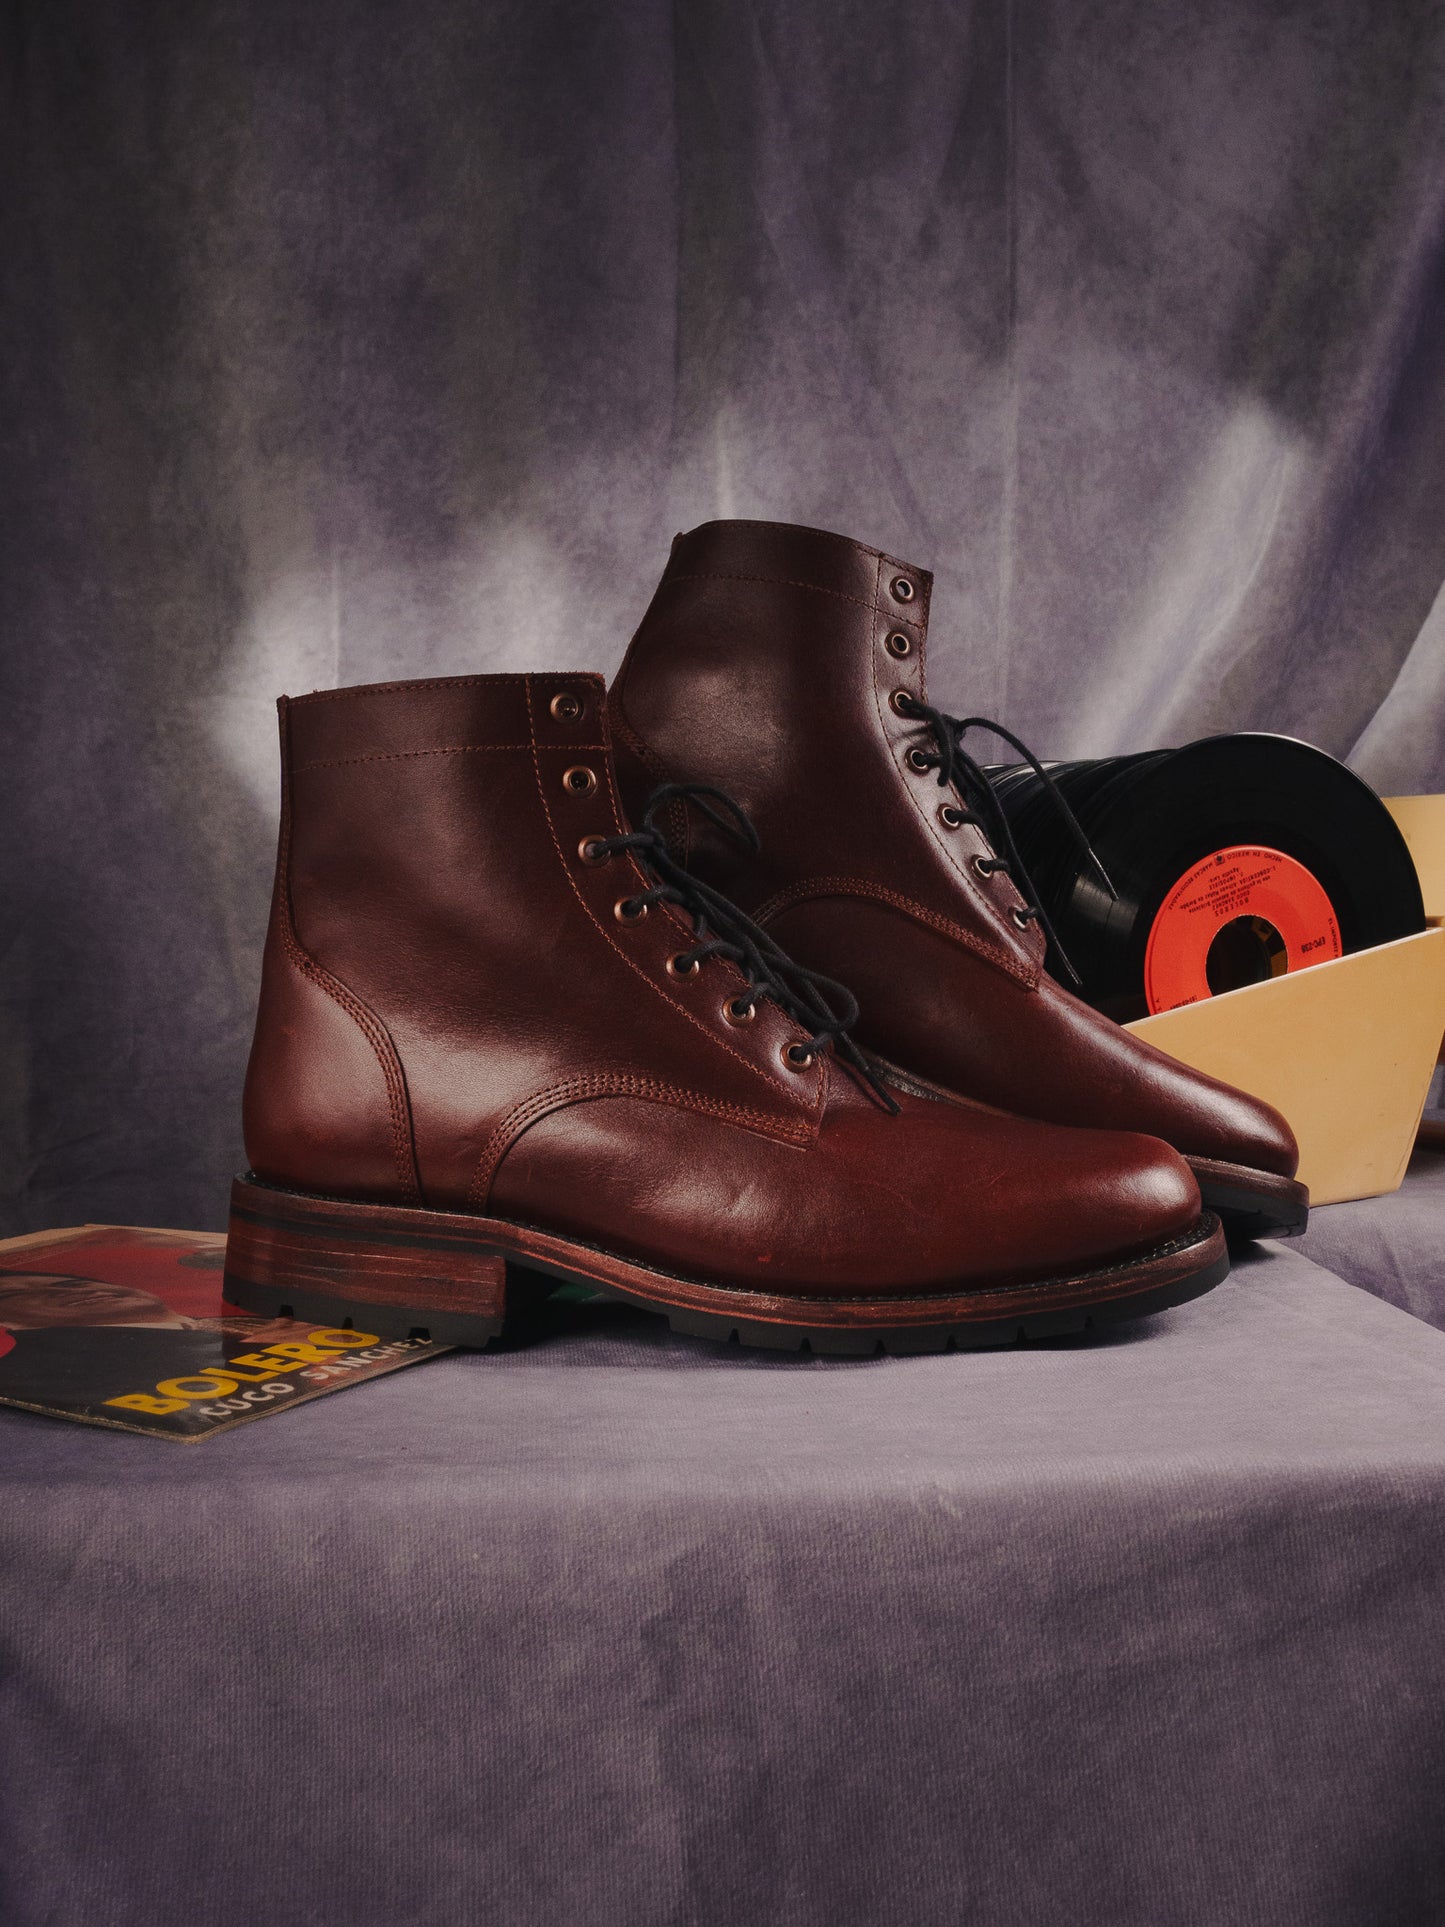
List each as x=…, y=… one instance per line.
x=827, y=1010
x=982, y=808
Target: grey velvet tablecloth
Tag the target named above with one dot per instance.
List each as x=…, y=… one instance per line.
x=1394, y=1247
x=625, y=1629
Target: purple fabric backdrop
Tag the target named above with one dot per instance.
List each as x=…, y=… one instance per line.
x=341, y=341
x=346, y=341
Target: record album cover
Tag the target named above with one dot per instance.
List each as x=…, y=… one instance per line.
x=123, y=1326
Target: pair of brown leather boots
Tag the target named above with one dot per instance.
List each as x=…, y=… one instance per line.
x=554, y=985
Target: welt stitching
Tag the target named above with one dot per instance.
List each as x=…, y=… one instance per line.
x=860, y=887
x=607, y=1084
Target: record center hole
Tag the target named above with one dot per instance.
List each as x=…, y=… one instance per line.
x=1247, y=950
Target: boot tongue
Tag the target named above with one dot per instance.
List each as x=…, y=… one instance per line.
x=820, y=1004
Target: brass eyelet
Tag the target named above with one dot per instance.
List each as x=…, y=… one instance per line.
x=797, y=1057
x=565, y=707
x=898, y=644
x=918, y=759
x=739, y=1010
x=629, y=910
x=950, y=816
x=591, y=851
x=900, y=701
x=675, y=967
x=981, y=865
x=1021, y=917
x=903, y=590
x=580, y=780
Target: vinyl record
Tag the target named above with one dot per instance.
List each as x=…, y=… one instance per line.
x=1234, y=859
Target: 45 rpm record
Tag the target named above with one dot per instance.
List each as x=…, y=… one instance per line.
x=1234, y=859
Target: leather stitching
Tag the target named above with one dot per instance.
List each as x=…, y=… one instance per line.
x=410, y=688
x=602, y=1084
x=814, y=887
x=446, y=749
x=371, y=1026
x=381, y=1043
x=785, y=582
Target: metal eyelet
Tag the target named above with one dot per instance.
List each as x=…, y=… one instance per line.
x=1021, y=917
x=898, y=644
x=918, y=759
x=740, y=1010
x=565, y=707
x=797, y=1057
x=900, y=701
x=580, y=780
x=903, y=590
x=983, y=867
x=675, y=966
x=950, y=816
x=629, y=910
x=591, y=851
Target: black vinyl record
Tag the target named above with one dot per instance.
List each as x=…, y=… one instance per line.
x=1232, y=860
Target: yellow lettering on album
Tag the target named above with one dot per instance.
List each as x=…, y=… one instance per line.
x=174, y=1394
x=202, y=1385
x=305, y=1353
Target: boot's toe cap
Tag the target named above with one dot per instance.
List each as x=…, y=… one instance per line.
x=1119, y=1194
x=1238, y=1128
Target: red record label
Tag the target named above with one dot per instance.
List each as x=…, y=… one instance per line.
x=1259, y=911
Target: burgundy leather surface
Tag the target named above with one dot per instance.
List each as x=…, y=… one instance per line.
x=515, y=1049
x=764, y=666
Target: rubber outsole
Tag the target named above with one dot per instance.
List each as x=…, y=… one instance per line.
x=458, y=1280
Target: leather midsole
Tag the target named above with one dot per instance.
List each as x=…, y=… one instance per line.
x=442, y=1261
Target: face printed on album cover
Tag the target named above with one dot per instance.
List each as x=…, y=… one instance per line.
x=38, y=1300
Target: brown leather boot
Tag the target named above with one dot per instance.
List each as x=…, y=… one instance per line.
x=786, y=665
x=498, y=1029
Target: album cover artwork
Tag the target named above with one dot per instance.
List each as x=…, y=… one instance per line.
x=122, y=1326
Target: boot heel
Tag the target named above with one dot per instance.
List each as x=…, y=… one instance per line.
x=382, y=1268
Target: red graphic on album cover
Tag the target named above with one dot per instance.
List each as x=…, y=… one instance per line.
x=122, y=1325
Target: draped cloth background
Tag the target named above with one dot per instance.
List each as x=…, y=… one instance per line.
x=342, y=341
x=348, y=341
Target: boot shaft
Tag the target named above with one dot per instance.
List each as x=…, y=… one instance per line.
x=768, y=663
x=445, y=965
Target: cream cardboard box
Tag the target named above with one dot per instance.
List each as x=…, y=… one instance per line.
x=1345, y=1049
x=1422, y=824
x=1421, y=820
